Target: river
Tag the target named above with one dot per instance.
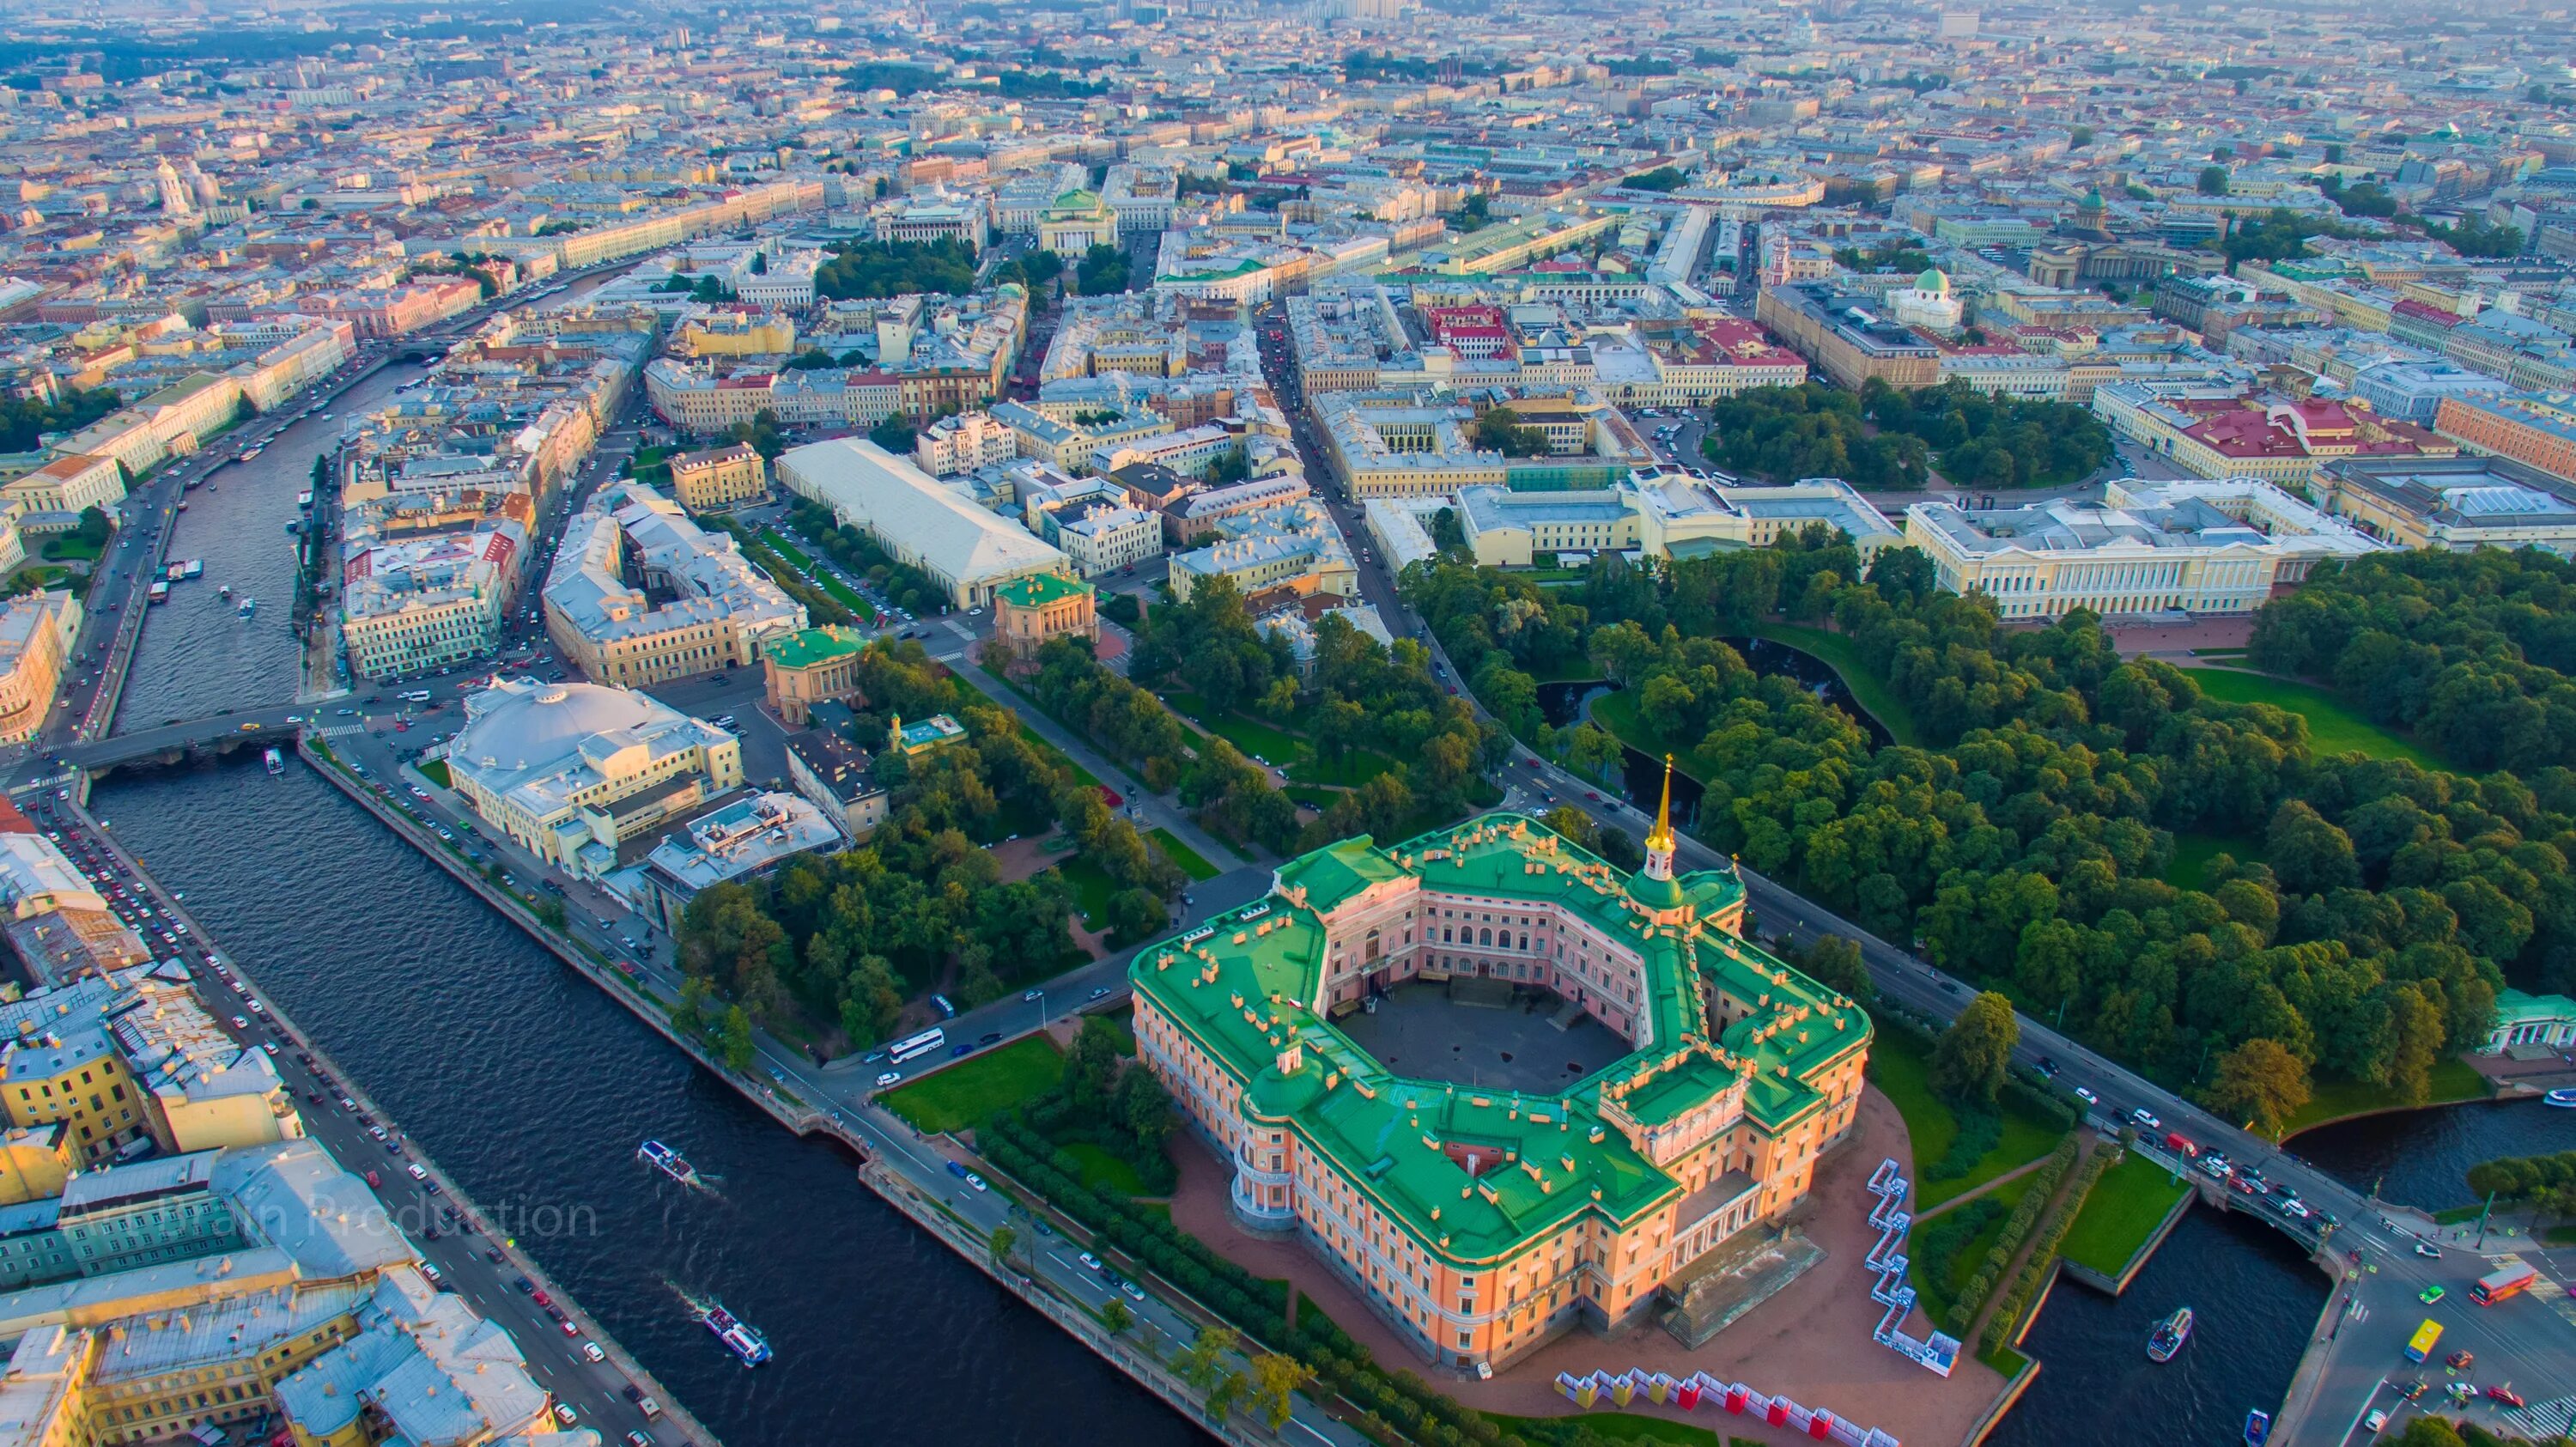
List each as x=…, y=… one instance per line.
x=531, y=1088
x=197, y=655
x=2254, y=1299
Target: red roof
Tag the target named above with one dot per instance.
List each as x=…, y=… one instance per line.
x=2410, y=307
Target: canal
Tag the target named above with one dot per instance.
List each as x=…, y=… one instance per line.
x=2422, y=1157
x=532, y=1088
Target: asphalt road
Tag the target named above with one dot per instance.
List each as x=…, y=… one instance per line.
x=338, y=1118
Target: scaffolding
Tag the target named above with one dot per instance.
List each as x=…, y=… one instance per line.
x=1889, y=1289
x=1699, y=1389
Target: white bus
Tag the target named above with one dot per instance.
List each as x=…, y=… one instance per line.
x=916, y=1046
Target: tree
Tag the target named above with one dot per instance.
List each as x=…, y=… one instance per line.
x=2428, y=1432
x=895, y=434
x=1835, y=962
x=93, y=528
x=1662, y=178
x=736, y=1043
x=1499, y=430
x=1971, y=1058
x=2262, y=1082
x=689, y=1013
x=1115, y=1316
x=1003, y=1239
x=1103, y=269
x=1202, y=1363
x=1275, y=1381
x=2213, y=180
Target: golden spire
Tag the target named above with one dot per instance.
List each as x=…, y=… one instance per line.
x=1662, y=838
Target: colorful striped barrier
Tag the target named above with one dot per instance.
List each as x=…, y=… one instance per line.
x=1603, y=1389
x=1890, y=1290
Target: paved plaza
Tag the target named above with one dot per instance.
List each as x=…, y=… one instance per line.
x=1417, y=1030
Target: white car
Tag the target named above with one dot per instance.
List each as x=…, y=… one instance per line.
x=976, y=1181
x=591, y=1351
x=2086, y=1096
x=2144, y=1119
x=2376, y=1421
x=417, y=1173
x=891, y=1077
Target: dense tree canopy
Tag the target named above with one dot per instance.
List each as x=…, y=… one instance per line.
x=896, y=268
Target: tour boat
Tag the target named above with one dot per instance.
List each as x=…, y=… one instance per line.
x=254, y=452
x=739, y=1338
x=193, y=568
x=2169, y=1335
x=668, y=1161
x=225, y=592
x=2563, y=1099
x=276, y=761
x=247, y=604
x=304, y=499
x=160, y=593
x=2258, y=1427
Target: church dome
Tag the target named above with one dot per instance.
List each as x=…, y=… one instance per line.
x=530, y=726
x=1933, y=280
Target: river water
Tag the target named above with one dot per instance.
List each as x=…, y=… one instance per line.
x=532, y=1088
x=197, y=655
x=2421, y=1157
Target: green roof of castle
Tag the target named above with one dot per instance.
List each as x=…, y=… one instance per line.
x=1236, y=986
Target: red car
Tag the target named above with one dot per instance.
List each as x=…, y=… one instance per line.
x=2507, y=1395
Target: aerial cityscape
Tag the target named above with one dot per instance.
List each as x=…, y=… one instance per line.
x=1335, y=724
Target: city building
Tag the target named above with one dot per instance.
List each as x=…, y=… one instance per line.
x=71, y=483
x=1295, y=547
x=964, y=443
x=719, y=477
x=412, y=604
x=60, y=926
x=2533, y=428
x=36, y=634
x=809, y=666
x=639, y=594
x=922, y=735
x=1483, y=1216
x=1076, y=222
x=2458, y=503
x=572, y=771
x=1848, y=336
x=825, y=766
x=920, y=523
x=2181, y=547
x=2531, y=1026
x=738, y=840
x=1031, y=612
x=1661, y=513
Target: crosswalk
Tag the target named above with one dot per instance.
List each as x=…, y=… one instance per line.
x=2553, y=1418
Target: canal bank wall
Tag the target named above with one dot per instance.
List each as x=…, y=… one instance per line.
x=285, y=1025
x=2113, y=1285
x=802, y=1120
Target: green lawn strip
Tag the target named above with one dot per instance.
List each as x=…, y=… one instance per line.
x=2192, y=853
x=974, y=1089
x=2457, y=1215
x=1900, y=1068
x=1867, y=689
x=1633, y=1426
x=2333, y=727
x=1256, y=739
x=1103, y=1171
x=2125, y=1207
x=1091, y=887
x=2007, y=1362
x=1572, y=670
x=1617, y=712
x=1312, y=798
x=435, y=770
x=1038, y=742
x=2453, y=1081
x=68, y=547
x=2560, y=1236
x=1189, y=861
x=847, y=596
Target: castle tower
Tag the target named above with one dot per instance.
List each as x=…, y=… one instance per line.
x=1659, y=845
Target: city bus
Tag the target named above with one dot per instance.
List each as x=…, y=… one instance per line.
x=2425, y=1337
x=913, y=1047
x=2495, y=1286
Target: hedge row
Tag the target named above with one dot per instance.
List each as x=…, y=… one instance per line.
x=1980, y=1131
x=2043, y=1253
x=2043, y=1184
x=1938, y=1245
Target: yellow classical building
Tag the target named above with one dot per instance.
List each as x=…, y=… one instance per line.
x=719, y=477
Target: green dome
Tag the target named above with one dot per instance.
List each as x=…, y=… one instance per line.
x=1933, y=279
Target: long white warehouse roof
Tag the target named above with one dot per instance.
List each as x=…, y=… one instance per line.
x=911, y=512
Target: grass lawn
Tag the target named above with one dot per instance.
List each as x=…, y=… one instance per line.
x=2333, y=727
x=2560, y=1235
x=1258, y=740
x=1617, y=712
x=1315, y=799
x=1081, y=775
x=1901, y=1068
x=1191, y=862
x=1871, y=691
x=842, y=593
x=2125, y=1206
x=1091, y=889
x=1101, y=1170
x=67, y=547
x=1613, y=1425
x=1572, y=670
x=435, y=770
x=973, y=1089
x=1350, y=771
x=2192, y=853
x=2453, y=1080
